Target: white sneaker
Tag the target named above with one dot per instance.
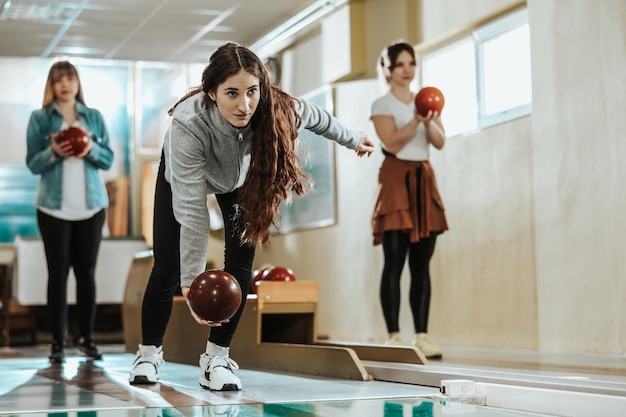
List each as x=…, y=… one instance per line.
x=216, y=373
x=146, y=365
x=428, y=348
x=395, y=340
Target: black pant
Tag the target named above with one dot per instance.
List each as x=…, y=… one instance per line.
x=396, y=245
x=75, y=244
x=165, y=276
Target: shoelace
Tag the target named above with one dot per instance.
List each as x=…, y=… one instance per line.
x=151, y=359
x=215, y=362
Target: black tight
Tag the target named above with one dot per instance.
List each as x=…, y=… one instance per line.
x=71, y=244
x=165, y=276
x=396, y=245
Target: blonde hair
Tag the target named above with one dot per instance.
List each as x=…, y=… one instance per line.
x=57, y=71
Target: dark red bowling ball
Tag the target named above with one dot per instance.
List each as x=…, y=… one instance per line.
x=77, y=137
x=215, y=295
x=257, y=277
x=429, y=98
x=279, y=273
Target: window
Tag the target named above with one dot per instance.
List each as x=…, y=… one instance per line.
x=453, y=70
x=485, y=76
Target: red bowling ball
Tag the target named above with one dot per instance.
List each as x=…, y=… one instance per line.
x=215, y=295
x=279, y=273
x=257, y=277
x=429, y=98
x=77, y=137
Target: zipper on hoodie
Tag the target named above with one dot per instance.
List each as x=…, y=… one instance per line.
x=239, y=139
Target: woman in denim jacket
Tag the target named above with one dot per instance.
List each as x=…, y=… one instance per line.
x=71, y=200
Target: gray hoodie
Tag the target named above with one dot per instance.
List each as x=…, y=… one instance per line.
x=204, y=154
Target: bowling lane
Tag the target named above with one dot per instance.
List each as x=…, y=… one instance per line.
x=32, y=385
x=357, y=408
x=267, y=387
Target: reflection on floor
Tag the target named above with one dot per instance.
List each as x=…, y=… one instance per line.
x=30, y=386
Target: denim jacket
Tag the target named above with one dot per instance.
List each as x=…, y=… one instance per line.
x=42, y=161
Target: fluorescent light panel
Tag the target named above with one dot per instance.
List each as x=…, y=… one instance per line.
x=37, y=12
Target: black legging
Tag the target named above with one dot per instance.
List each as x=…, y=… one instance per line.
x=165, y=276
x=395, y=247
x=71, y=244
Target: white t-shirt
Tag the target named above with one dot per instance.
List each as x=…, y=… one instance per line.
x=74, y=201
x=417, y=149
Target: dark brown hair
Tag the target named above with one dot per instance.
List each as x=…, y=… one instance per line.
x=389, y=57
x=274, y=167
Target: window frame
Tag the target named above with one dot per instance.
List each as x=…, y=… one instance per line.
x=501, y=26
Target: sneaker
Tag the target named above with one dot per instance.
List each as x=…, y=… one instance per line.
x=217, y=373
x=395, y=340
x=57, y=353
x=88, y=347
x=146, y=365
x=423, y=343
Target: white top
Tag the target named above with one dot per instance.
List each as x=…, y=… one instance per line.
x=417, y=149
x=74, y=201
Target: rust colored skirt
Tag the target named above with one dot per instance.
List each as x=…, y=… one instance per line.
x=408, y=200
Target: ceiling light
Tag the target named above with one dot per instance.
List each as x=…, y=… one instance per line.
x=274, y=40
x=37, y=12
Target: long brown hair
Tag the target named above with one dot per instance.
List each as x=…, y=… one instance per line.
x=274, y=167
x=57, y=71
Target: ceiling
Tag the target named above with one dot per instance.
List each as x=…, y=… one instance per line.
x=151, y=30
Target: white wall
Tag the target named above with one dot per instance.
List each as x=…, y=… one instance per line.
x=442, y=17
x=578, y=140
